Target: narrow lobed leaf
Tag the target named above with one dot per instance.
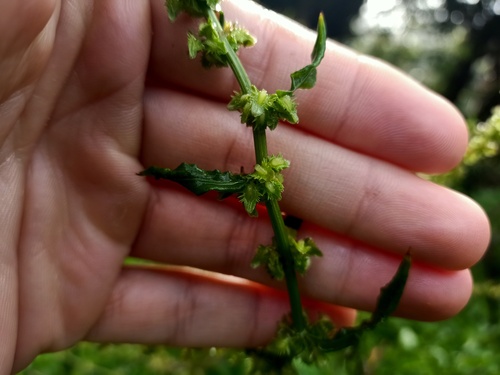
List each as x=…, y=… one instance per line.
x=320, y=45
x=305, y=78
x=387, y=303
x=198, y=180
x=391, y=294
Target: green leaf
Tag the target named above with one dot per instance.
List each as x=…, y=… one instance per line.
x=320, y=45
x=391, y=294
x=200, y=181
x=305, y=78
x=387, y=303
x=195, y=8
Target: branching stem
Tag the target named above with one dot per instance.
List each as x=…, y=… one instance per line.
x=272, y=205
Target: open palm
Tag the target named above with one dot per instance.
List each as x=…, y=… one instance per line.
x=93, y=91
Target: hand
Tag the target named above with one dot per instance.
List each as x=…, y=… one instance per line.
x=93, y=92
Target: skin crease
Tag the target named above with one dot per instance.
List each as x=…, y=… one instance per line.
x=92, y=92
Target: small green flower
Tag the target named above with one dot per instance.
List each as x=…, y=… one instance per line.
x=211, y=46
x=268, y=174
x=303, y=344
x=238, y=36
x=261, y=110
x=276, y=162
x=302, y=251
x=250, y=197
x=269, y=257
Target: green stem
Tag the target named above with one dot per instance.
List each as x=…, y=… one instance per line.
x=234, y=62
x=273, y=209
x=281, y=238
x=282, y=242
x=260, y=145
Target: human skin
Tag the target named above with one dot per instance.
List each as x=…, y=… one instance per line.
x=92, y=92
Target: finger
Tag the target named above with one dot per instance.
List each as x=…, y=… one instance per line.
x=358, y=102
x=185, y=308
x=24, y=44
x=349, y=193
x=22, y=55
x=349, y=273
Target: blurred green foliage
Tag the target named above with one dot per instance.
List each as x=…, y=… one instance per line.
x=467, y=344
x=484, y=143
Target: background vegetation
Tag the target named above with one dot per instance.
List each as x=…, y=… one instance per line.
x=452, y=46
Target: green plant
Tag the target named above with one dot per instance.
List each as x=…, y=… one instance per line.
x=484, y=141
x=217, y=42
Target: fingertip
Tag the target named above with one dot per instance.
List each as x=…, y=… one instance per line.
x=440, y=294
x=462, y=237
x=449, y=139
x=478, y=233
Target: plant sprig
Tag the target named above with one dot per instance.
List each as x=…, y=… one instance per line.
x=217, y=43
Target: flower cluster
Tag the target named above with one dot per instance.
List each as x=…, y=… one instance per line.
x=211, y=46
x=301, y=344
x=261, y=110
x=301, y=250
x=266, y=182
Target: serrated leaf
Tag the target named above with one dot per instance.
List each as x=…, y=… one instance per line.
x=198, y=180
x=391, y=294
x=387, y=303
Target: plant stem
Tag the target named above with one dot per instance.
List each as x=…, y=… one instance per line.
x=234, y=62
x=281, y=238
x=273, y=209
